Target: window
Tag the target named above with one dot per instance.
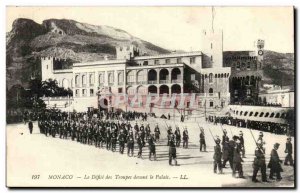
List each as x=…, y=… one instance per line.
x=120, y=90
x=282, y=115
x=77, y=92
x=83, y=92
x=237, y=112
x=211, y=58
x=238, y=66
x=261, y=114
x=211, y=91
x=156, y=61
x=91, y=92
x=145, y=63
x=248, y=66
x=192, y=60
x=211, y=104
x=120, y=78
x=241, y=113
x=251, y=113
x=267, y=114
x=256, y=113
x=111, y=78
x=272, y=115
x=130, y=76
x=248, y=91
x=76, y=80
x=245, y=114
x=211, y=45
x=47, y=66
x=193, y=77
x=210, y=78
x=167, y=61
x=83, y=80
x=101, y=79
x=277, y=115
x=178, y=60
x=91, y=79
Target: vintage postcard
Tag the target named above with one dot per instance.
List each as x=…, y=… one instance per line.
x=150, y=97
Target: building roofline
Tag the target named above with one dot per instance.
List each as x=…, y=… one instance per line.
x=171, y=55
x=100, y=62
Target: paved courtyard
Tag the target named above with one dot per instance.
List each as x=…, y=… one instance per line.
x=64, y=163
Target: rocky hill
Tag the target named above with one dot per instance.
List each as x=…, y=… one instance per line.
x=28, y=41
x=79, y=42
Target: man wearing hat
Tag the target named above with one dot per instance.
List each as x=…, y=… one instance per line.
x=130, y=144
x=274, y=163
x=224, y=136
x=259, y=162
x=289, y=151
x=185, y=138
x=151, y=142
x=122, y=140
x=157, y=132
x=140, y=145
x=241, y=138
x=237, y=160
x=218, y=156
x=177, y=136
x=169, y=133
x=172, y=150
x=202, y=140
x=30, y=126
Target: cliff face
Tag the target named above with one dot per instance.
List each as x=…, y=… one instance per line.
x=80, y=42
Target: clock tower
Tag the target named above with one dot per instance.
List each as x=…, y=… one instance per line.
x=260, y=44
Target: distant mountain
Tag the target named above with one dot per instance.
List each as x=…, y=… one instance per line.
x=80, y=42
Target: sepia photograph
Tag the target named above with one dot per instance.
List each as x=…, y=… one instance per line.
x=150, y=97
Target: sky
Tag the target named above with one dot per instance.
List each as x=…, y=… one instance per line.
x=180, y=28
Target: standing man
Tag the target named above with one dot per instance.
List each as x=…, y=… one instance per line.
x=237, y=160
x=140, y=144
x=177, y=136
x=30, y=126
x=202, y=139
x=172, y=151
x=157, y=132
x=185, y=138
x=242, y=144
x=130, y=144
x=274, y=163
x=151, y=142
x=259, y=162
x=122, y=139
x=218, y=156
x=289, y=151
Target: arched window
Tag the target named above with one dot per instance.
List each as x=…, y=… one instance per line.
x=210, y=78
x=267, y=114
x=256, y=113
x=241, y=113
x=77, y=80
x=251, y=113
x=211, y=90
x=83, y=80
x=261, y=114
x=245, y=114
x=91, y=79
x=101, y=79
x=277, y=115
x=272, y=115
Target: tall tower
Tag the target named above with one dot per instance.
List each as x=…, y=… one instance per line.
x=212, y=48
x=260, y=44
x=47, y=67
x=127, y=52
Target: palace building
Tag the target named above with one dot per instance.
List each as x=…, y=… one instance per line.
x=215, y=83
